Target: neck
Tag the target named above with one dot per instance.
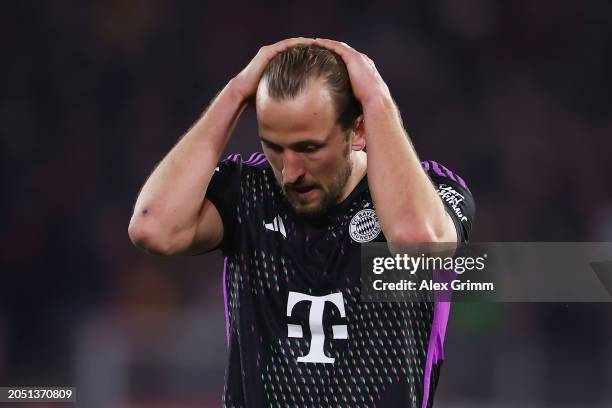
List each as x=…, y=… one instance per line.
x=359, y=163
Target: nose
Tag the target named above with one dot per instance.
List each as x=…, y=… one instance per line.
x=293, y=168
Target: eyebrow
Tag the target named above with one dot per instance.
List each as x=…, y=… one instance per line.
x=301, y=143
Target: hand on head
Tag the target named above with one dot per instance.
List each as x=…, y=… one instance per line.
x=247, y=80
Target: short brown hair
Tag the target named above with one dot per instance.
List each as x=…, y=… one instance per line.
x=288, y=73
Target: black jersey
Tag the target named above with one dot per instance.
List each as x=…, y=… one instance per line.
x=297, y=332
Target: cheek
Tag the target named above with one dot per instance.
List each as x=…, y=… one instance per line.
x=274, y=160
x=324, y=167
x=276, y=168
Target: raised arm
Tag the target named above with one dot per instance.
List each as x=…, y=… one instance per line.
x=407, y=204
x=171, y=215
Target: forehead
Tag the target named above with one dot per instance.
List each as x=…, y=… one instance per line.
x=310, y=114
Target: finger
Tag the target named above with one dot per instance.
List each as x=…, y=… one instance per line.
x=267, y=52
x=340, y=48
x=270, y=51
x=290, y=42
x=369, y=60
x=333, y=43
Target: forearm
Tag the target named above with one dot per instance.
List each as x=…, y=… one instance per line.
x=407, y=204
x=171, y=198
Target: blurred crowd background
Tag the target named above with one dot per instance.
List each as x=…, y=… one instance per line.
x=513, y=96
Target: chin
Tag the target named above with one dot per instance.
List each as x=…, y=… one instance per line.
x=310, y=211
x=306, y=210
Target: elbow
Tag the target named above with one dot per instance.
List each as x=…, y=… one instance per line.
x=426, y=233
x=146, y=236
x=409, y=236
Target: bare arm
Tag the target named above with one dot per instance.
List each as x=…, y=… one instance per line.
x=171, y=215
x=407, y=204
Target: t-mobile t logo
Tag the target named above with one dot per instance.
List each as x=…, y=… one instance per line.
x=315, y=320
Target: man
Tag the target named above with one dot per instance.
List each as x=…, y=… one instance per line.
x=290, y=223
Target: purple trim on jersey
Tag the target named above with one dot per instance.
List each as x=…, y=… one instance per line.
x=435, y=350
x=256, y=159
x=261, y=160
x=436, y=168
x=253, y=157
x=461, y=181
x=454, y=176
x=442, y=171
x=448, y=172
x=231, y=157
x=227, y=327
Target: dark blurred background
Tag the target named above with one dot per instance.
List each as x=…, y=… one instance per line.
x=513, y=96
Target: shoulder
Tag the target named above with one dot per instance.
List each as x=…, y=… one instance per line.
x=256, y=162
x=250, y=177
x=439, y=172
x=455, y=195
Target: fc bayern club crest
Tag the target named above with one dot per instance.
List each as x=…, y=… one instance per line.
x=364, y=226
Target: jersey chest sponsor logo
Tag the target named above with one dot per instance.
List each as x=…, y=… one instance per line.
x=364, y=226
x=316, y=354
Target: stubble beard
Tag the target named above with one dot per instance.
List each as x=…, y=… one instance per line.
x=330, y=197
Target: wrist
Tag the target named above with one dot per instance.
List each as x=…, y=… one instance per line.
x=377, y=102
x=237, y=91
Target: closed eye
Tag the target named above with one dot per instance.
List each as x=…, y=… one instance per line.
x=300, y=147
x=307, y=148
x=274, y=147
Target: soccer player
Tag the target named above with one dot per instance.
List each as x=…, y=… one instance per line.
x=290, y=222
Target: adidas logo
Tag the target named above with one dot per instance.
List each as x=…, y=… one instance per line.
x=277, y=226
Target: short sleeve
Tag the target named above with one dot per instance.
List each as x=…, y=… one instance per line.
x=224, y=192
x=455, y=195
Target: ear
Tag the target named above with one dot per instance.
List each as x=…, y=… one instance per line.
x=359, y=141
